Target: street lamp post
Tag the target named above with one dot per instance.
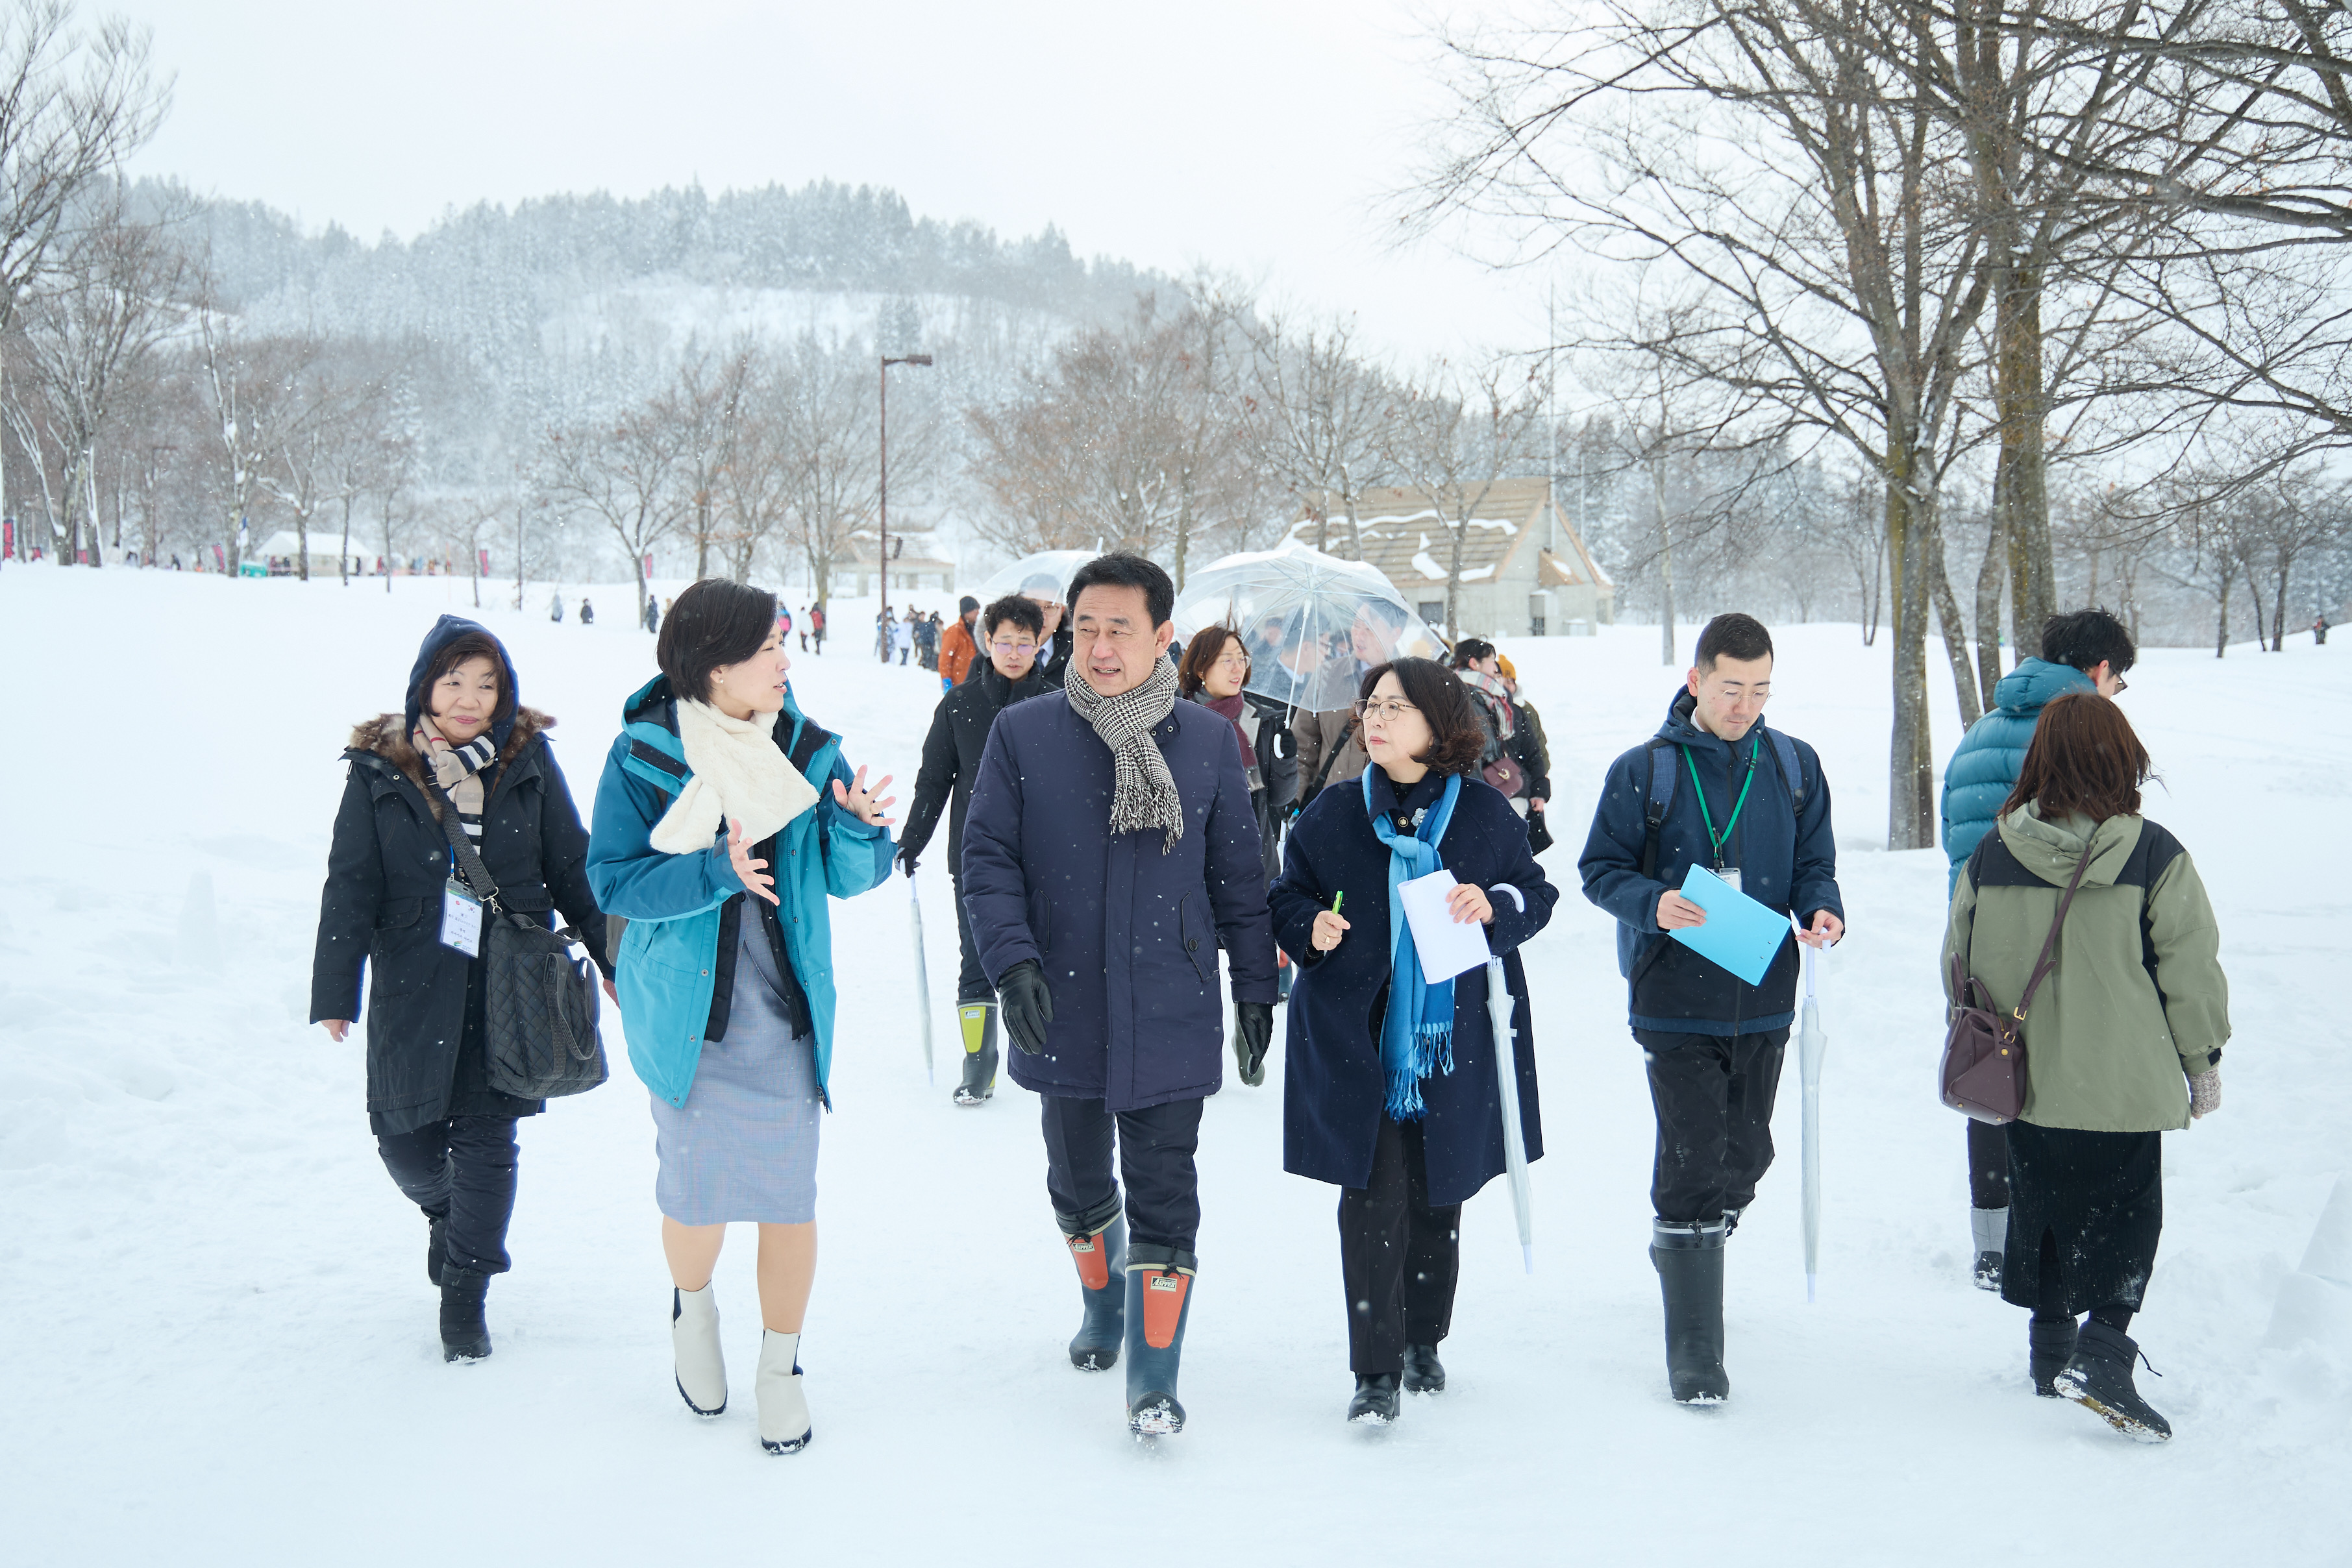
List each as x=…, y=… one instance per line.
x=883, y=553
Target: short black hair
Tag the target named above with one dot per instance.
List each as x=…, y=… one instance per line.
x=1470, y=649
x=1125, y=569
x=713, y=623
x=2085, y=639
x=1457, y=737
x=1019, y=609
x=1732, y=636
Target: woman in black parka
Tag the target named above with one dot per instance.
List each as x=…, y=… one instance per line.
x=1404, y=1114
x=445, y=1135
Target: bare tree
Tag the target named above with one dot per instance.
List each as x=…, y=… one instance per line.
x=257, y=409
x=1452, y=437
x=626, y=472
x=1315, y=412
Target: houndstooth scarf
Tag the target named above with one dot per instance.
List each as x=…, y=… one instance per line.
x=1145, y=795
x=456, y=770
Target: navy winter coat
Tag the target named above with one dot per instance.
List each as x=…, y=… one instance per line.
x=1333, y=1088
x=1787, y=862
x=1984, y=768
x=1128, y=937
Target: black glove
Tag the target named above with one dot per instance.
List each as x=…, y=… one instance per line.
x=1027, y=1005
x=1254, y=1021
x=905, y=857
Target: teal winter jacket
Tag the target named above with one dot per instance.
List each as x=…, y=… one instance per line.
x=1984, y=769
x=673, y=903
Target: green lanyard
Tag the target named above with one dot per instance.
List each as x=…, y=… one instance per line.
x=1708, y=817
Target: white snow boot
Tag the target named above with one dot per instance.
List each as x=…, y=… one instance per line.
x=784, y=1426
x=1988, y=1229
x=694, y=1338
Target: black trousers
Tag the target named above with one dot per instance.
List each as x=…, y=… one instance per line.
x=972, y=980
x=1399, y=1258
x=463, y=1171
x=1713, y=1096
x=1987, y=1164
x=1155, y=1159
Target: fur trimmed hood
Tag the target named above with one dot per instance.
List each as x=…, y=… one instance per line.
x=386, y=736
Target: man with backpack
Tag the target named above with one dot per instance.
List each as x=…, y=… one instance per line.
x=2082, y=651
x=1715, y=787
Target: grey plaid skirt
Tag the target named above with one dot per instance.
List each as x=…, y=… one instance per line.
x=743, y=1146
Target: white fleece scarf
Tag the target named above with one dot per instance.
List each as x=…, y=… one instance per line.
x=739, y=772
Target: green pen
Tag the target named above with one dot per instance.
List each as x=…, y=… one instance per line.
x=1336, y=899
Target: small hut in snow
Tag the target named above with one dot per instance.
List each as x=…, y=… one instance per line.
x=1524, y=572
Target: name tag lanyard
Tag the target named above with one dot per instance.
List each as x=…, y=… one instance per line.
x=461, y=914
x=1723, y=837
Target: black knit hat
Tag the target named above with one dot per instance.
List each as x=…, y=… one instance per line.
x=966, y=605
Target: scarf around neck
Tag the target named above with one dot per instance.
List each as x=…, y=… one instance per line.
x=456, y=770
x=1144, y=794
x=738, y=771
x=1417, y=1034
x=1499, y=693
x=1230, y=709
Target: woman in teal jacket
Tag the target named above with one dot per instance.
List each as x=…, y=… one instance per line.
x=724, y=818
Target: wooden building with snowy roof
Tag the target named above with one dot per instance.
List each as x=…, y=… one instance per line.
x=1525, y=571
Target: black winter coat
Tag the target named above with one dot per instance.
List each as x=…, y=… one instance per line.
x=1333, y=1087
x=381, y=908
x=960, y=726
x=1127, y=936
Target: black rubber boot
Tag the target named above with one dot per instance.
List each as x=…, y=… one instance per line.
x=436, y=1245
x=977, y=1021
x=1375, y=1404
x=1159, y=1305
x=1689, y=1261
x=465, y=1333
x=1424, y=1372
x=1097, y=1244
x=2098, y=1376
x=2050, y=1344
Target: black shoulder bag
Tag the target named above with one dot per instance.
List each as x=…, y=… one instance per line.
x=542, y=1005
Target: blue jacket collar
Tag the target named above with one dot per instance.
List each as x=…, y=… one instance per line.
x=2036, y=682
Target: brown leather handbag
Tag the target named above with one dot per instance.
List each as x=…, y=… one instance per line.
x=1984, y=1053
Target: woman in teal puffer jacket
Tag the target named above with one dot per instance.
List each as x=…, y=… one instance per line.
x=2083, y=650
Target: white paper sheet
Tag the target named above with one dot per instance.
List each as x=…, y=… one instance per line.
x=1446, y=946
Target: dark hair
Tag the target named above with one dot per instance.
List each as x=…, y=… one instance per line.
x=1201, y=656
x=966, y=605
x=2084, y=761
x=1125, y=569
x=1732, y=636
x=713, y=623
x=455, y=652
x=2085, y=639
x=1456, y=737
x=1019, y=609
x=1470, y=649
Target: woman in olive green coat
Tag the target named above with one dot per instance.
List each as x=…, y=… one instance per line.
x=2123, y=1041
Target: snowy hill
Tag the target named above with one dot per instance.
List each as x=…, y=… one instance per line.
x=222, y=1347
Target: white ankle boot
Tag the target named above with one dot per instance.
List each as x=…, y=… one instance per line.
x=784, y=1427
x=694, y=1335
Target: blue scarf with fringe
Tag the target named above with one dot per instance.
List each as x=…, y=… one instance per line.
x=1417, y=1035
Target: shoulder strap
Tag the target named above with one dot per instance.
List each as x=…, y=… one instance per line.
x=1331, y=753
x=469, y=862
x=1792, y=768
x=1656, y=802
x=2049, y=960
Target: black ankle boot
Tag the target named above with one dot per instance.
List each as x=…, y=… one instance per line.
x=1424, y=1372
x=2050, y=1344
x=464, y=1333
x=2098, y=1376
x=1375, y=1404
x=1689, y=1261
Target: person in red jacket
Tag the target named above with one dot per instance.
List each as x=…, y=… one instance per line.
x=958, y=648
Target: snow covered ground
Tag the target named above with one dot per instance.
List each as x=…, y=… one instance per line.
x=220, y=1345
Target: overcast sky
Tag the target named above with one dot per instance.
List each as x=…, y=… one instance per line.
x=1256, y=138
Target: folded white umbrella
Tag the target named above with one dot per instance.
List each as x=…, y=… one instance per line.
x=1506, y=1074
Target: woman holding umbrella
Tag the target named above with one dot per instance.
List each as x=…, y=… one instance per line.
x=1389, y=1078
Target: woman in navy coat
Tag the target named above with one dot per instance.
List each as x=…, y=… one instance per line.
x=1407, y=1137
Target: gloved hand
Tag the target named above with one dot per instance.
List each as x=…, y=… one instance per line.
x=1027, y=1005
x=1253, y=1034
x=905, y=858
x=2205, y=1093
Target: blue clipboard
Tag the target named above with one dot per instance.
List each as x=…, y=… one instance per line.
x=1741, y=934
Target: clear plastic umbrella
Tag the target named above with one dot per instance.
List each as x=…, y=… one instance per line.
x=1313, y=623
x=1515, y=1132
x=1046, y=573
x=1811, y=1045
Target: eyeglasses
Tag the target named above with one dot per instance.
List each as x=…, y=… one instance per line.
x=1386, y=709
x=1012, y=648
x=2122, y=685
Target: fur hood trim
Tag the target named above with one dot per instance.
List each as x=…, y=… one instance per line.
x=387, y=737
